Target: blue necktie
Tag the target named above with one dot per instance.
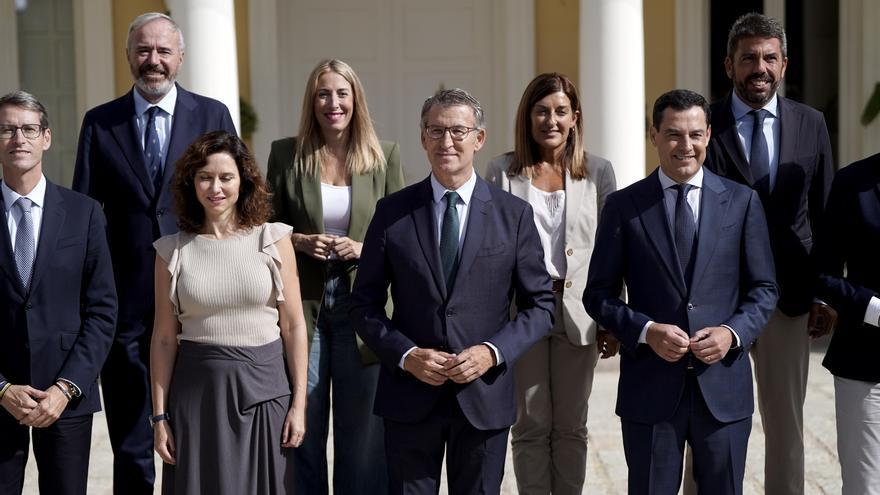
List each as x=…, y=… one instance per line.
x=685, y=231
x=449, y=233
x=759, y=155
x=152, y=150
x=24, y=242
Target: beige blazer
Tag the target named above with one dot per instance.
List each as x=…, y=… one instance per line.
x=584, y=200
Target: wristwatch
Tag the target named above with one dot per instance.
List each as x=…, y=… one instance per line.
x=72, y=393
x=159, y=418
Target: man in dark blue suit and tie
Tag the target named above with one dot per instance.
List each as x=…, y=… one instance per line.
x=125, y=160
x=693, y=251
x=454, y=250
x=57, y=308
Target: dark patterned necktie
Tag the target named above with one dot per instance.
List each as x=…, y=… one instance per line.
x=759, y=155
x=152, y=150
x=685, y=230
x=24, y=242
x=449, y=233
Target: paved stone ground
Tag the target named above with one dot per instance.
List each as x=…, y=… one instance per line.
x=606, y=469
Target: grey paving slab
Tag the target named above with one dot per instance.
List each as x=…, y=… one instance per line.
x=606, y=466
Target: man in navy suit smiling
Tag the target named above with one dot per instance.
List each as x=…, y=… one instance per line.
x=125, y=160
x=693, y=251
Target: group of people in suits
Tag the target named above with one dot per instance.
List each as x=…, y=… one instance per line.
x=437, y=318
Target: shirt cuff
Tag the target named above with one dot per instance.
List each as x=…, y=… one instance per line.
x=78, y=391
x=405, y=354
x=872, y=314
x=643, y=337
x=498, y=357
x=735, y=336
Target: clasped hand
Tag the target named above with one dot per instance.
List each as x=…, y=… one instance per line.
x=320, y=246
x=435, y=367
x=671, y=343
x=33, y=407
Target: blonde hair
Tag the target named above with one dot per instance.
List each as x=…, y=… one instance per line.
x=364, y=152
x=525, y=152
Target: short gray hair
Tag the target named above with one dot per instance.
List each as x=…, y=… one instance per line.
x=149, y=17
x=26, y=101
x=453, y=97
x=755, y=25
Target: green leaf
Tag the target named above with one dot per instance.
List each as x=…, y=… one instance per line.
x=872, y=108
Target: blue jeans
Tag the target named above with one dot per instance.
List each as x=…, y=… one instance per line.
x=358, y=447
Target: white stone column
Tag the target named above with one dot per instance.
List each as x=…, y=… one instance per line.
x=859, y=72
x=210, y=65
x=9, y=53
x=93, y=40
x=692, y=64
x=265, y=77
x=612, y=84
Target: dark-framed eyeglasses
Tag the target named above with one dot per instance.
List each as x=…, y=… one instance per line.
x=456, y=132
x=29, y=131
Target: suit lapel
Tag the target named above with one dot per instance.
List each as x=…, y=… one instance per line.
x=362, y=202
x=519, y=186
x=181, y=137
x=652, y=212
x=713, y=209
x=313, y=201
x=789, y=128
x=125, y=132
x=426, y=231
x=729, y=139
x=8, y=257
x=53, y=219
x=478, y=210
x=575, y=192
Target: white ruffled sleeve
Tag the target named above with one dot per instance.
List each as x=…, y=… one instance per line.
x=272, y=233
x=168, y=248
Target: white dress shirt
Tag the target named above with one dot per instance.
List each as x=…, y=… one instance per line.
x=13, y=215
x=164, y=119
x=745, y=122
x=465, y=192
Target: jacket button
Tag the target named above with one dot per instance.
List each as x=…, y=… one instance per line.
x=568, y=285
x=570, y=251
x=160, y=212
x=450, y=313
x=28, y=306
x=690, y=307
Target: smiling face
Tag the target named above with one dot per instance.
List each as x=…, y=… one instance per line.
x=217, y=185
x=334, y=103
x=452, y=161
x=154, y=57
x=18, y=154
x=681, y=142
x=552, y=119
x=756, y=69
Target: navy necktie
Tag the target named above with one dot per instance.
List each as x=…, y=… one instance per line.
x=449, y=233
x=152, y=150
x=685, y=230
x=759, y=155
x=24, y=242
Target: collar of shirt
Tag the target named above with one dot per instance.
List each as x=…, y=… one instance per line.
x=666, y=182
x=167, y=102
x=465, y=191
x=741, y=110
x=37, y=194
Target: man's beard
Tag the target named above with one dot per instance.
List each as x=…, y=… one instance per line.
x=153, y=89
x=757, y=98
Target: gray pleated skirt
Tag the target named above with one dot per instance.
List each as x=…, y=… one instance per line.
x=227, y=408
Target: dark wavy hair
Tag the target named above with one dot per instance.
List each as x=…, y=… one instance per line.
x=253, y=206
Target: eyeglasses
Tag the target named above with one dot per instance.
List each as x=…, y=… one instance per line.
x=457, y=132
x=29, y=131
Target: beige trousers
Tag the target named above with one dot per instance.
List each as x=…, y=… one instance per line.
x=549, y=439
x=781, y=357
x=857, y=407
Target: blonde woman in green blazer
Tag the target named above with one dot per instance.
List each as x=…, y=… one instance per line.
x=567, y=188
x=326, y=183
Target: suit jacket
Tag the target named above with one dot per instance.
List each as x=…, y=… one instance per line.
x=732, y=284
x=63, y=326
x=796, y=204
x=846, y=255
x=297, y=202
x=501, y=255
x=110, y=168
x=584, y=200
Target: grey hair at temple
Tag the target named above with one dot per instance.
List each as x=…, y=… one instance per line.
x=150, y=17
x=453, y=97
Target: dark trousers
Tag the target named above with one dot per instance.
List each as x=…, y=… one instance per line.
x=414, y=452
x=61, y=451
x=654, y=452
x=128, y=405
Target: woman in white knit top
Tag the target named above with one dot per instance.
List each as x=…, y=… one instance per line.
x=228, y=311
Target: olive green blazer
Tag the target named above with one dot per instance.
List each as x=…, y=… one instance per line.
x=297, y=202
